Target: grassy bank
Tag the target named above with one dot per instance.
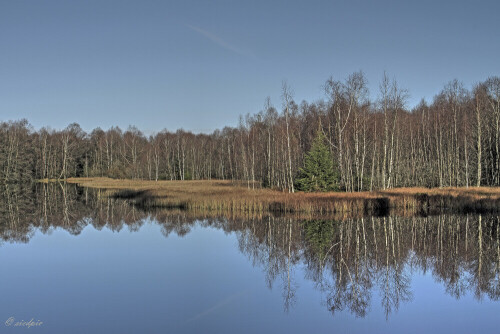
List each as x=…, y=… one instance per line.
x=225, y=196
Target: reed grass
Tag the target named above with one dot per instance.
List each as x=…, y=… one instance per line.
x=226, y=196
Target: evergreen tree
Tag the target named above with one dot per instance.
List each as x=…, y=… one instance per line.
x=319, y=172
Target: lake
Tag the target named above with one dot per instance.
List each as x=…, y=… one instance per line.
x=76, y=261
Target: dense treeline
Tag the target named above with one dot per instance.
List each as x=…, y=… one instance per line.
x=375, y=144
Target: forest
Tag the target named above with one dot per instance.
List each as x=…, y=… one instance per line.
x=375, y=144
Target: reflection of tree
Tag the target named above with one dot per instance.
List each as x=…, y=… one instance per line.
x=12, y=206
x=271, y=244
x=177, y=225
x=319, y=235
x=486, y=266
x=350, y=284
x=47, y=207
x=347, y=260
x=289, y=287
x=394, y=283
x=494, y=290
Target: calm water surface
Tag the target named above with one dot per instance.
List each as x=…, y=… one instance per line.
x=81, y=263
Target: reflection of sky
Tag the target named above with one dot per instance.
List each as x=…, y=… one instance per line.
x=441, y=313
x=105, y=282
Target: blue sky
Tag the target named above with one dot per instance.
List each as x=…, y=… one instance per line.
x=198, y=65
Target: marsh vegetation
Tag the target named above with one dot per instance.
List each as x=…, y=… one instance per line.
x=226, y=196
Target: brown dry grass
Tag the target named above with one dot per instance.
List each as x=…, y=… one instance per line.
x=225, y=196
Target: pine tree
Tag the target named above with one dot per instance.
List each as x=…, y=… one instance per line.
x=319, y=172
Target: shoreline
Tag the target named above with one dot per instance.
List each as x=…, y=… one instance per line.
x=226, y=196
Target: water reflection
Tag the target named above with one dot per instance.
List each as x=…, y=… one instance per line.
x=47, y=207
x=353, y=262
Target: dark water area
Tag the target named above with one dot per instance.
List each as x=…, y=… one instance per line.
x=76, y=261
